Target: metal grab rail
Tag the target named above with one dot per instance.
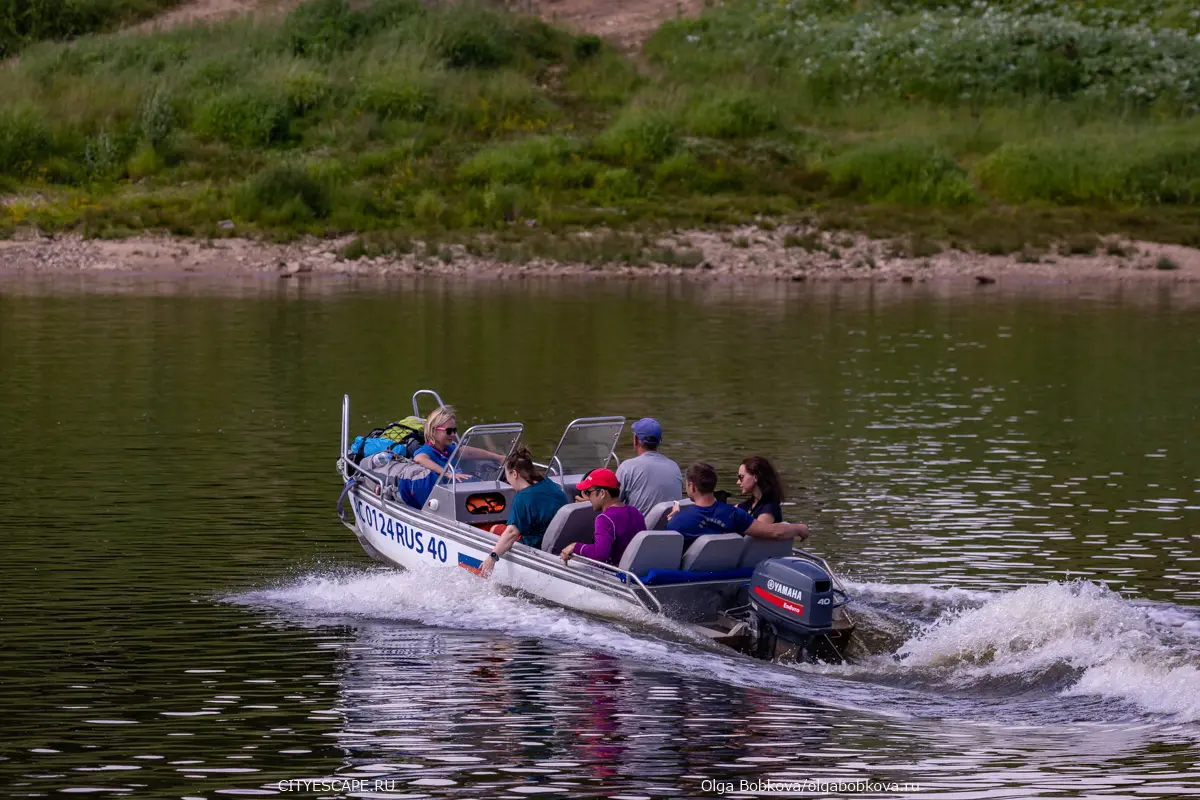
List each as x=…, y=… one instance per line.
x=418, y=393
x=621, y=572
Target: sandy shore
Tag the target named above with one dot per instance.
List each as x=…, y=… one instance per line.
x=747, y=253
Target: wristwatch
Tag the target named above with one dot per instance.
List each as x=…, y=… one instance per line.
x=494, y=555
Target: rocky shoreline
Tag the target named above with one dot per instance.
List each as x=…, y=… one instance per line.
x=784, y=253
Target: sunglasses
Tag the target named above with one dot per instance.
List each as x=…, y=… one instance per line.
x=449, y=431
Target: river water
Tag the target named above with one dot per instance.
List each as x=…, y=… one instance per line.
x=1009, y=481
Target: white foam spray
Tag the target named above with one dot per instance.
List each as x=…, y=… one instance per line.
x=1080, y=632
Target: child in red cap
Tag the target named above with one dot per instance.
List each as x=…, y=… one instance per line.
x=616, y=525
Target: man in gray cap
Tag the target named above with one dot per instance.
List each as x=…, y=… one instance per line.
x=649, y=478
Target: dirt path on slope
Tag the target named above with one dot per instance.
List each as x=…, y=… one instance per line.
x=627, y=23
x=208, y=11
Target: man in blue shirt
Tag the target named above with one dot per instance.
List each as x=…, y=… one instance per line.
x=710, y=515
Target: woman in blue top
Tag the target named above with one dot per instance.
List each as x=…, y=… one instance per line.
x=536, y=502
x=441, y=433
x=757, y=478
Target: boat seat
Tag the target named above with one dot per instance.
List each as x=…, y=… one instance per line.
x=574, y=522
x=652, y=550
x=756, y=550
x=656, y=520
x=713, y=552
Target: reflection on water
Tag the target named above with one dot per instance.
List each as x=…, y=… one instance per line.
x=183, y=617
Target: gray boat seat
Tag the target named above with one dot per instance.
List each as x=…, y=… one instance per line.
x=574, y=522
x=656, y=520
x=713, y=552
x=756, y=550
x=652, y=550
x=568, y=484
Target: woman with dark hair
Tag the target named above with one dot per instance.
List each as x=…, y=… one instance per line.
x=536, y=502
x=758, y=479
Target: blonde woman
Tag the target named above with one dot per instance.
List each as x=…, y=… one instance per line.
x=441, y=440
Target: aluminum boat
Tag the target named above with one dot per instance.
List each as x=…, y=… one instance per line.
x=761, y=597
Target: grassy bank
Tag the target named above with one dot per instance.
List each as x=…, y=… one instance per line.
x=994, y=126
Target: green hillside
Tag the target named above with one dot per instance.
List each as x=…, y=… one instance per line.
x=991, y=125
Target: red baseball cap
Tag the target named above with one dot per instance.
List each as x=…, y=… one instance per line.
x=604, y=478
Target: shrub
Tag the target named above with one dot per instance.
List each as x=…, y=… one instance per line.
x=321, y=29
x=497, y=204
x=617, y=185
x=157, y=119
x=384, y=14
x=680, y=169
x=246, y=117
x=519, y=162
x=144, y=163
x=904, y=173
x=586, y=46
x=639, y=136
x=1146, y=170
x=24, y=141
x=429, y=208
x=397, y=97
x=303, y=89
x=496, y=101
x=104, y=156
x=1067, y=173
x=1164, y=172
x=475, y=38
x=285, y=194
x=733, y=115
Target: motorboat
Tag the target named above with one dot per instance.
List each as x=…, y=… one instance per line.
x=765, y=598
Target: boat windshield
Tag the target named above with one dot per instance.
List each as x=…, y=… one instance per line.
x=586, y=444
x=481, y=452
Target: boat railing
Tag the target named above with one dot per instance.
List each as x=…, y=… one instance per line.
x=631, y=580
x=632, y=588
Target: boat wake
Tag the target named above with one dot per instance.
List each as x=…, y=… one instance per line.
x=1074, y=651
x=1063, y=639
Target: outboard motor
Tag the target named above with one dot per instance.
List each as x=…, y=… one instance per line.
x=792, y=602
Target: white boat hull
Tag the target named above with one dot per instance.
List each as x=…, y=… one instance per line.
x=400, y=536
